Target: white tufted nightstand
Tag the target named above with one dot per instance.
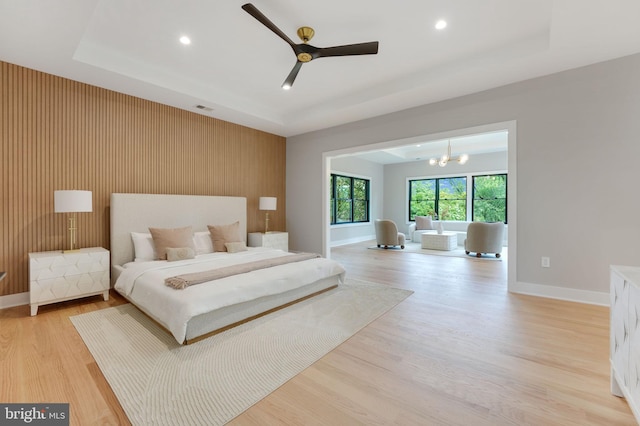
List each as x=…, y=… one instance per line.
x=55, y=276
x=275, y=239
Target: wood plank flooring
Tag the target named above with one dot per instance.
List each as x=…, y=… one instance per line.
x=459, y=351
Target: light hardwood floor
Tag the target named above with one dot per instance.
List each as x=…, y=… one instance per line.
x=459, y=351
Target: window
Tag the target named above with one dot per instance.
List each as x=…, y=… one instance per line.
x=422, y=198
x=444, y=198
x=349, y=199
x=490, y=198
x=452, y=198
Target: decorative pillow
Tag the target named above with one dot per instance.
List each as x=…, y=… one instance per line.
x=144, y=250
x=236, y=247
x=203, y=243
x=180, y=253
x=424, y=222
x=221, y=234
x=175, y=237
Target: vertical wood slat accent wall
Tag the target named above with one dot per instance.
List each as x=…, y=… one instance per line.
x=57, y=133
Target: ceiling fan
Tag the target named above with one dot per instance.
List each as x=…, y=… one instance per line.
x=305, y=52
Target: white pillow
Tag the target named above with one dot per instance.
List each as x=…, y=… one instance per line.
x=424, y=222
x=143, y=247
x=203, y=243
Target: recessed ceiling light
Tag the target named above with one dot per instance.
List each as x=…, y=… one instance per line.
x=185, y=40
x=441, y=24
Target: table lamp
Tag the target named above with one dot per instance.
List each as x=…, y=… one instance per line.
x=267, y=203
x=72, y=202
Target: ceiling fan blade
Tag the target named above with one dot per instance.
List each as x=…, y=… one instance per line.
x=370, y=48
x=253, y=11
x=288, y=82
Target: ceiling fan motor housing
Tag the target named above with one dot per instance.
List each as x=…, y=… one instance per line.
x=305, y=34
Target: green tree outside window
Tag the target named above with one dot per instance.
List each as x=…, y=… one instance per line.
x=349, y=199
x=490, y=198
x=441, y=198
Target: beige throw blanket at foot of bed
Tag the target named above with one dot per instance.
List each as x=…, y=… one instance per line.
x=181, y=282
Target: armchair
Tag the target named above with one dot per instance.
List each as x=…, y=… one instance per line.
x=387, y=234
x=484, y=238
x=421, y=225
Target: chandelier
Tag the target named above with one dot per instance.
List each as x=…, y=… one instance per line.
x=442, y=161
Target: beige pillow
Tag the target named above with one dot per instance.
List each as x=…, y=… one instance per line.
x=236, y=247
x=180, y=253
x=164, y=238
x=222, y=234
x=424, y=222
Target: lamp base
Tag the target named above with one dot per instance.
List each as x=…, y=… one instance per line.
x=72, y=235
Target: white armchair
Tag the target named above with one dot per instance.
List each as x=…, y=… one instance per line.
x=421, y=225
x=387, y=234
x=484, y=238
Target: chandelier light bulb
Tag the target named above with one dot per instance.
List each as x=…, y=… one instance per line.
x=441, y=24
x=444, y=160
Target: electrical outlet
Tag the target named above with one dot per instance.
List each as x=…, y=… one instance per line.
x=546, y=262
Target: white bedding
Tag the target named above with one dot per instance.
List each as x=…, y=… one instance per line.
x=143, y=284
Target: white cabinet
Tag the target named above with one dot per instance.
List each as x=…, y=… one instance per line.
x=625, y=335
x=55, y=276
x=277, y=240
x=619, y=334
x=633, y=378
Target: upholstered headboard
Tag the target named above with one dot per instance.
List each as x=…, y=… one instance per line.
x=138, y=212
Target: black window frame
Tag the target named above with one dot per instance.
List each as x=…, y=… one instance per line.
x=352, y=200
x=506, y=194
x=436, y=180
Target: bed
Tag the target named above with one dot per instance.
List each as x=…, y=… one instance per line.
x=200, y=310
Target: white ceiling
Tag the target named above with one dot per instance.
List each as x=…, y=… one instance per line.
x=480, y=143
x=236, y=66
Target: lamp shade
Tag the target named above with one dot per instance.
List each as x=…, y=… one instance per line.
x=268, y=203
x=72, y=201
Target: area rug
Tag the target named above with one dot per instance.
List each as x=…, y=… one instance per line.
x=212, y=381
x=457, y=252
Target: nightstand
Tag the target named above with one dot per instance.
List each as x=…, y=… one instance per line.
x=55, y=276
x=275, y=239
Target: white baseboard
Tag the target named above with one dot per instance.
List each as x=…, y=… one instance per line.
x=561, y=293
x=12, y=300
x=354, y=240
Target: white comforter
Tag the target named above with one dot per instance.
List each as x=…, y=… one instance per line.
x=143, y=284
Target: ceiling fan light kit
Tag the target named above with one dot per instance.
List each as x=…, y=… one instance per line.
x=305, y=52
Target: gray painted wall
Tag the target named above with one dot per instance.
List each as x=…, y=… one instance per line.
x=577, y=154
